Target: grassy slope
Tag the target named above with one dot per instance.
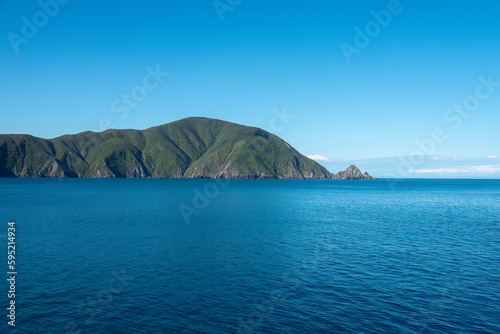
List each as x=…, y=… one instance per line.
x=192, y=147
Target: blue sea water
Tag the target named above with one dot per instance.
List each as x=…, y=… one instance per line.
x=253, y=256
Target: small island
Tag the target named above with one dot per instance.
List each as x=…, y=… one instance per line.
x=194, y=147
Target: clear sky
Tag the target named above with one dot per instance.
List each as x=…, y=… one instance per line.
x=364, y=80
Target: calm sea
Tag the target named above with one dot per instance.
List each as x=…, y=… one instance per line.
x=252, y=256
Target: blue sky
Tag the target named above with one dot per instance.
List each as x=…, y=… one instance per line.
x=249, y=61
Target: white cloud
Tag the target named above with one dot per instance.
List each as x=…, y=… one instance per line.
x=484, y=169
x=492, y=157
x=318, y=157
x=438, y=170
x=488, y=169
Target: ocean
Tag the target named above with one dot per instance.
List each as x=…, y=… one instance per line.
x=252, y=256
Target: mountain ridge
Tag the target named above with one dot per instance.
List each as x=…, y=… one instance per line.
x=195, y=147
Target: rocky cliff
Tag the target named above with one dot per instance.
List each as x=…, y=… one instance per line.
x=352, y=173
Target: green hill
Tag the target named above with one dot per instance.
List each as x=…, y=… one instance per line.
x=189, y=148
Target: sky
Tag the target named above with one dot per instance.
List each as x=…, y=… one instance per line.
x=399, y=88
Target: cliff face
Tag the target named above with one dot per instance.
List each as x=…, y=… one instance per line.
x=189, y=148
x=352, y=173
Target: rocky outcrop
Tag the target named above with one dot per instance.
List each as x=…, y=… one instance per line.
x=352, y=173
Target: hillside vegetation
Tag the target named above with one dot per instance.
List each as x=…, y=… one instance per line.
x=189, y=148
